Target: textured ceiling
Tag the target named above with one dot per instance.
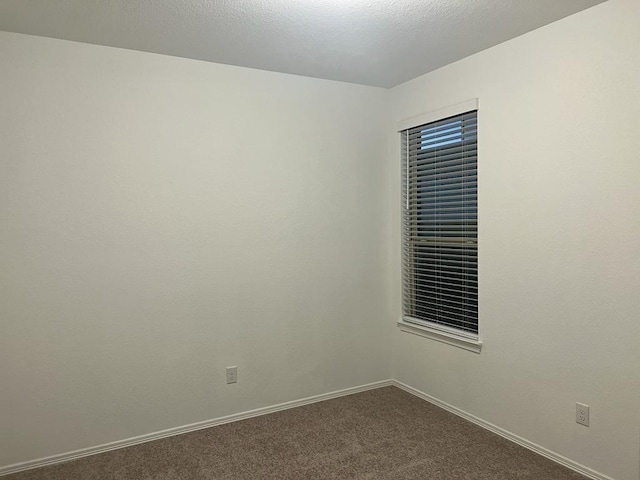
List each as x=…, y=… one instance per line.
x=372, y=42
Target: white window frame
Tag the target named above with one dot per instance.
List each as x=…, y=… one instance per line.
x=441, y=333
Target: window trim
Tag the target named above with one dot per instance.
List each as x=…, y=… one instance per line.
x=441, y=333
x=435, y=115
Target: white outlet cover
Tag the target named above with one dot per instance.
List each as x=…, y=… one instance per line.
x=582, y=414
x=232, y=374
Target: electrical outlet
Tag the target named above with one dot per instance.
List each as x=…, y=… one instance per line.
x=232, y=374
x=582, y=414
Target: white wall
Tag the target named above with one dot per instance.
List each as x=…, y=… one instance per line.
x=163, y=218
x=559, y=212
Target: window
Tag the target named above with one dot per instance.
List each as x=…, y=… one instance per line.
x=440, y=226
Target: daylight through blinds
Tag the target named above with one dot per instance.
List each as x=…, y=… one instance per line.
x=440, y=223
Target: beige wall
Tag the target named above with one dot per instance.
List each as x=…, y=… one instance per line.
x=559, y=212
x=163, y=218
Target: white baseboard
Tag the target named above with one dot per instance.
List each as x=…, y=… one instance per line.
x=65, y=457
x=85, y=452
x=587, y=472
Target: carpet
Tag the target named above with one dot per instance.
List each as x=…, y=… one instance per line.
x=379, y=434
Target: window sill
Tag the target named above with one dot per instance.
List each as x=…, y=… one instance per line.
x=459, y=341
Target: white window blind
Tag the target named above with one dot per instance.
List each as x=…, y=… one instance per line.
x=440, y=224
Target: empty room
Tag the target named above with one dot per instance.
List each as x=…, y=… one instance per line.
x=320, y=239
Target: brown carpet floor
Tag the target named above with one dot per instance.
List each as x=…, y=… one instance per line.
x=380, y=434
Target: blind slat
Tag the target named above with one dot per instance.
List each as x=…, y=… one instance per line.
x=440, y=222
